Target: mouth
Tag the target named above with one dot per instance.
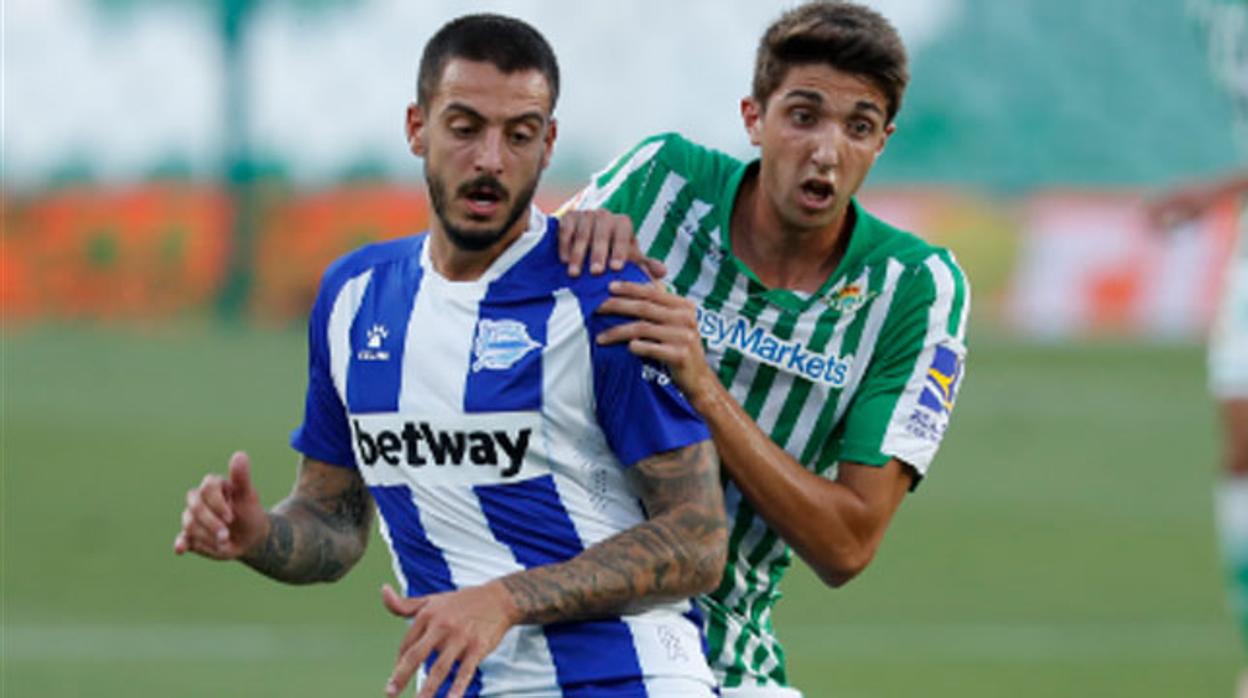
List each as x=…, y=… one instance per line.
x=816, y=194
x=484, y=198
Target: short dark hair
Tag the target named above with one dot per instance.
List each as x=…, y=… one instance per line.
x=844, y=35
x=505, y=42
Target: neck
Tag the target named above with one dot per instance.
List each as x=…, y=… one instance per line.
x=782, y=255
x=458, y=264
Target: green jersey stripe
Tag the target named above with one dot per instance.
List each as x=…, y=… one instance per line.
x=648, y=231
x=608, y=182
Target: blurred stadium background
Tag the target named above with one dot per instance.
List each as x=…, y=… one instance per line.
x=178, y=173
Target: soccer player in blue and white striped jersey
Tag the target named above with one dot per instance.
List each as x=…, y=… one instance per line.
x=550, y=503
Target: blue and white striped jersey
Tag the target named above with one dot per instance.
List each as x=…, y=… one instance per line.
x=494, y=433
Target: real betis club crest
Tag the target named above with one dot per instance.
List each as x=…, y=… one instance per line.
x=849, y=298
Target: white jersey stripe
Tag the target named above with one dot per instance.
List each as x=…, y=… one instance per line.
x=593, y=196
x=912, y=448
x=870, y=333
x=338, y=331
x=668, y=192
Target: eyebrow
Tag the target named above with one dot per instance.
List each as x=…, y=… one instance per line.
x=465, y=109
x=817, y=98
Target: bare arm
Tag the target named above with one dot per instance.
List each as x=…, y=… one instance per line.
x=678, y=552
x=835, y=526
x=319, y=531
x=675, y=554
x=1191, y=200
x=315, y=534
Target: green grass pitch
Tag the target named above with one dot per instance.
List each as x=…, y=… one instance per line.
x=1063, y=544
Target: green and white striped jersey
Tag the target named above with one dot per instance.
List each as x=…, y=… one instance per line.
x=864, y=370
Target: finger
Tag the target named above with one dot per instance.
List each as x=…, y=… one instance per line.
x=399, y=605
x=441, y=669
x=214, y=499
x=601, y=246
x=180, y=543
x=581, y=234
x=618, y=334
x=637, y=308
x=409, y=661
x=467, y=669
x=240, y=474
x=568, y=222
x=654, y=268
x=203, y=517
x=205, y=544
x=679, y=339
x=656, y=351
x=624, y=246
x=651, y=291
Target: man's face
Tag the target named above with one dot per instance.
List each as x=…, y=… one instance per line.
x=485, y=137
x=819, y=134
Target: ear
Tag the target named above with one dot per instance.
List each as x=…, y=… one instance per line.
x=752, y=116
x=551, y=132
x=888, y=132
x=414, y=129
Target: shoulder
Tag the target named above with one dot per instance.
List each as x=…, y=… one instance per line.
x=921, y=261
x=541, y=273
x=370, y=257
x=673, y=152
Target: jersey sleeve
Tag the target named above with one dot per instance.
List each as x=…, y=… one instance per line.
x=903, y=406
x=619, y=187
x=324, y=434
x=639, y=408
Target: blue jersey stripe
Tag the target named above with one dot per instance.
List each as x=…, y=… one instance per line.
x=424, y=568
x=595, y=658
x=379, y=336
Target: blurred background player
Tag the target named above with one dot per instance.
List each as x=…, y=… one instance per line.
x=1226, y=23
x=1228, y=376
x=526, y=477
x=835, y=342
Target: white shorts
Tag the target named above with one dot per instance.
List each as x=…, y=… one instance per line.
x=1228, y=343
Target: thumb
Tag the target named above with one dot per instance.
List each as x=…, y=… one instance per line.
x=394, y=603
x=240, y=474
x=655, y=269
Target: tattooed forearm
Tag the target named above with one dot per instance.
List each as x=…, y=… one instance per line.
x=319, y=531
x=677, y=553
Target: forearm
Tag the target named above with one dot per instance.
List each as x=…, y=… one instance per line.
x=677, y=553
x=827, y=523
x=306, y=544
x=665, y=559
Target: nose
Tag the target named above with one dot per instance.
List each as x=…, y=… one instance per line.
x=825, y=152
x=489, y=155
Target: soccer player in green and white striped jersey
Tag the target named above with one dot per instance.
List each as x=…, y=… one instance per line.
x=823, y=347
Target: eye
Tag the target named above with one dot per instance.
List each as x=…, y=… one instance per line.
x=520, y=137
x=462, y=128
x=802, y=117
x=861, y=128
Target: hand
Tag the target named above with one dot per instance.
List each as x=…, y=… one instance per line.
x=223, y=517
x=461, y=626
x=666, y=330
x=608, y=237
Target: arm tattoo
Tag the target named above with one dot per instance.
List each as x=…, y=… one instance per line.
x=675, y=554
x=318, y=532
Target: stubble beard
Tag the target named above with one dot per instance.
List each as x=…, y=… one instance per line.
x=477, y=240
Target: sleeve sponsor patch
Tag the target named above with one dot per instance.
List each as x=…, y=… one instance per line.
x=940, y=390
